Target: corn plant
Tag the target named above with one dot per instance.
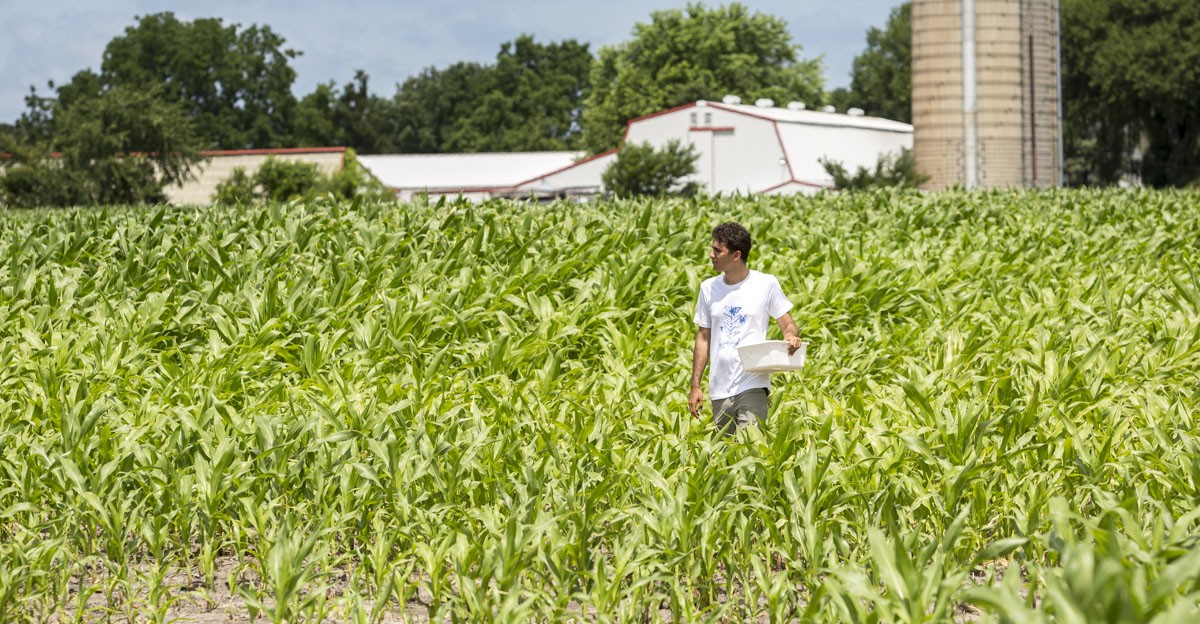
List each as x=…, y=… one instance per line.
x=376, y=412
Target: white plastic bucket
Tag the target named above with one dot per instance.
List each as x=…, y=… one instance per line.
x=771, y=356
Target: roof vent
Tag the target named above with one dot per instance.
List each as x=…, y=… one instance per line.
x=731, y=99
x=796, y=106
x=828, y=108
x=764, y=102
x=855, y=112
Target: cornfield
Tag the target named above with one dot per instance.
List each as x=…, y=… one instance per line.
x=477, y=412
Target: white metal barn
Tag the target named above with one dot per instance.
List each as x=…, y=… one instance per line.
x=481, y=176
x=765, y=149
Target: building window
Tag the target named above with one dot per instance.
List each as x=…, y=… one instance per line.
x=693, y=119
x=708, y=119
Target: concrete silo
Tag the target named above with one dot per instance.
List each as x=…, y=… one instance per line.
x=985, y=96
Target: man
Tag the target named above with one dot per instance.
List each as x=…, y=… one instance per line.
x=735, y=308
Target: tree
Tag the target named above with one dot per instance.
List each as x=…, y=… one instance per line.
x=122, y=146
x=1130, y=85
x=891, y=171
x=642, y=170
x=682, y=57
x=355, y=118
x=535, y=101
x=314, y=125
x=236, y=83
x=367, y=122
x=881, y=79
x=530, y=99
x=429, y=104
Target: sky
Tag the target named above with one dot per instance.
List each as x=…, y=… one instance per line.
x=390, y=40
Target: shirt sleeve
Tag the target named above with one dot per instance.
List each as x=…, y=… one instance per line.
x=777, y=303
x=702, y=317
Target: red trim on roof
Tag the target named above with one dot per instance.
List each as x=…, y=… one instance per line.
x=52, y=155
x=242, y=152
x=275, y=150
x=783, y=150
x=562, y=169
x=653, y=115
x=787, y=182
x=662, y=112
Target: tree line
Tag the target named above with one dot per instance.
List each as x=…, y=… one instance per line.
x=235, y=85
x=167, y=89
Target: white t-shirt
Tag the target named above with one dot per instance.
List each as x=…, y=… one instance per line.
x=737, y=314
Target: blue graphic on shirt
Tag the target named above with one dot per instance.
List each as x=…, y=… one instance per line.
x=732, y=322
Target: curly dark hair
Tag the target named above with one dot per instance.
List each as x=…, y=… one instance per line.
x=734, y=237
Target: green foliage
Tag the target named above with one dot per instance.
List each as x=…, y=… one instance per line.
x=534, y=102
x=326, y=411
x=355, y=119
x=235, y=82
x=283, y=180
x=43, y=182
x=681, y=57
x=353, y=180
x=881, y=82
x=279, y=180
x=642, y=170
x=120, y=147
x=891, y=170
x=239, y=188
x=1129, y=91
x=429, y=105
x=528, y=100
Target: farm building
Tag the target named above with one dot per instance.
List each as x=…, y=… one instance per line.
x=219, y=165
x=765, y=149
x=742, y=149
x=486, y=175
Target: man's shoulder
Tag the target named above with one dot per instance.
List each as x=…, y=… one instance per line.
x=763, y=277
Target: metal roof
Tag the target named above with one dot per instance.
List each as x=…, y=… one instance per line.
x=484, y=171
x=812, y=117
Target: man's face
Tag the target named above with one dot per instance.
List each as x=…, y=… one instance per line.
x=721, y=257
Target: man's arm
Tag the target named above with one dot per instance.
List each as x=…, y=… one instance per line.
x=699, y=363
x=790, y=333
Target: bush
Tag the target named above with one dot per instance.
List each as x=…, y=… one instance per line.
x=42, y=183
x=238, y=188
x=285, y=180
x=352, y=180
x=891, y=171
x=641, y=170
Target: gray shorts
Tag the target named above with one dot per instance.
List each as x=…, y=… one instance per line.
x=740, y=410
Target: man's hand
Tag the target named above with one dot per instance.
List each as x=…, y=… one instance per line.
x=790, y=333
x=695, y=400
